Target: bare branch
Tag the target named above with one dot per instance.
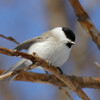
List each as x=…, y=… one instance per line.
x=85, y=21
x=41, y=62
x=9, y=38
x=18, y=71
x=5, y=75
x=83, y=82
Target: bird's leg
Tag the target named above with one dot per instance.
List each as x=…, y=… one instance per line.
x=50, y=64
x=46, y=72
x=61, y=72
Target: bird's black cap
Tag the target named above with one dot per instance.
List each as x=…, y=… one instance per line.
x=69, y=34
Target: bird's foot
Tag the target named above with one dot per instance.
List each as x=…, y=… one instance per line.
x=46, y=72
x=49, y=63
x=61, y=72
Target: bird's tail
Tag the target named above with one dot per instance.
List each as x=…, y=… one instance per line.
x=19, y=65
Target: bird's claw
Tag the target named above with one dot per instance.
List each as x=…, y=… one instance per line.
x=61, y=72
x=49, y=63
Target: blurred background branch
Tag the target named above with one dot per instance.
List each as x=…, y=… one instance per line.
x=85, y=21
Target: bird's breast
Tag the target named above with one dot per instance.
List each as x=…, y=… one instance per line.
x=55, y=53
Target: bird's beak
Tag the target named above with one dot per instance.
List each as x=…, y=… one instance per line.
x=72, y=42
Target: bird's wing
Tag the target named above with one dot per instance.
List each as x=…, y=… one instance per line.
x=26, y=44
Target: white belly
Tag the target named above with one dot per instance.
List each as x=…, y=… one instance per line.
x=56, y=54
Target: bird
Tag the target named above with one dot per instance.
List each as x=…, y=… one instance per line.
x=53, y=46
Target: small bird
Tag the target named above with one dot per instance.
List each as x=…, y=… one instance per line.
x=54, y=46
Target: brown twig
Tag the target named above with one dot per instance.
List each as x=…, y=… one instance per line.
x=5, y=75
x=85, y=21
x=32, y=66
x=9, y=38
x=41, y=62
x=83, y=82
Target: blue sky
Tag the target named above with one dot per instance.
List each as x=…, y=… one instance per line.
x=24, y=19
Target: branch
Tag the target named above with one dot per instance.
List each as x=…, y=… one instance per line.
x=32, y=66
x=5, y=75
x=85, y=21
x=41, y=62
x=83, y=82
x=9, y=38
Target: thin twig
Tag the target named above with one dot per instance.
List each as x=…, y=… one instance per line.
x=32, y=66
x=97, y=64
x=85, y=21
x=41, y=62
x=9, y=38
x=5, y=75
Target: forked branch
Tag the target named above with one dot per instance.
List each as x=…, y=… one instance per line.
x=41, y=62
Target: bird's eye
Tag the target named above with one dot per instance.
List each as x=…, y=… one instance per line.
x=69, y=45
x=68, y=36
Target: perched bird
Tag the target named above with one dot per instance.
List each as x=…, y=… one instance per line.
x=54, y=46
